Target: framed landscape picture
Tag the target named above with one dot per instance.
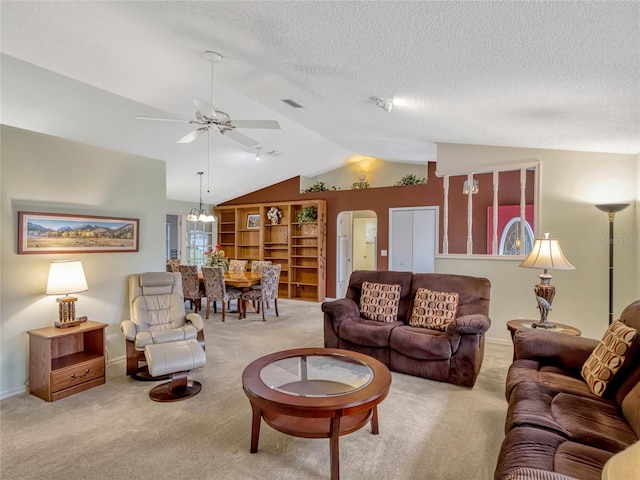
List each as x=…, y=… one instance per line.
x=253, y=222
x=68, y=233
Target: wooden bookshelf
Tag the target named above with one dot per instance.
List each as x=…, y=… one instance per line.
x=300, y=249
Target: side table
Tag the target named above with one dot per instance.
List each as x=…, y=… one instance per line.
x=64, y=361
x=514, y=325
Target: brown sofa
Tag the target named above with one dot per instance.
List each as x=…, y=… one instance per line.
x=454, y=355
x=555, y=426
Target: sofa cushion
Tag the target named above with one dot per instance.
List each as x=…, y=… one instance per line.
x=433, y=309
x=591, y=421
x=420, y=343
x=560, y=379
x=370, y=333
x=608, y=357
x=535, y=448
x=379, y=301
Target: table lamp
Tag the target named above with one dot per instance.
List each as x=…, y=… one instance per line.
x=65, y=277
x=547, y=255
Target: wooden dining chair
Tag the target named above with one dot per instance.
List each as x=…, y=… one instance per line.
x=217, y=291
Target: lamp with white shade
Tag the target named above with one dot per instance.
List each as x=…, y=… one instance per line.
x=65, y=277
x=546, y=254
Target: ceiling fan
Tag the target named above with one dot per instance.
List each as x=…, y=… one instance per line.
x=209, y=118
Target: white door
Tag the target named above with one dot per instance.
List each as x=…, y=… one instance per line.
x=413, y=239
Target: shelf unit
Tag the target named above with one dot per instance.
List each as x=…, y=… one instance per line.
x=300, y=249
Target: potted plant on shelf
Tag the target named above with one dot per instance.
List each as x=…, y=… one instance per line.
x=274, y=214
x=307, y=218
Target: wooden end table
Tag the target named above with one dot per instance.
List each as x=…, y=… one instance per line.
x=316, y=393
x=514, y=325
x=64, y=361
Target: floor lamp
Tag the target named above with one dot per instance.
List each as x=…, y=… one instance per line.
x=611, y=209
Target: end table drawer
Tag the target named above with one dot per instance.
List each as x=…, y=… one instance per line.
x=77, y=374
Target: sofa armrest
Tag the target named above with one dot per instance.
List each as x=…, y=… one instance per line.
x=475, y=324
x=195, y=320
x=129, y=329
x=341, y=309
x=556, y=348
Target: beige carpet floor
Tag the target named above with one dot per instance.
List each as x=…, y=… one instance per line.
x=428, y=429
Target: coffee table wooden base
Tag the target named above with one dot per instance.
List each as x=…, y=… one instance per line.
x=332, y=428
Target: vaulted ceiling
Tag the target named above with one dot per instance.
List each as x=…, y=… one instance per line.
x=559, y=75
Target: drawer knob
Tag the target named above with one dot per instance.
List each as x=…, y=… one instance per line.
x=73, y=375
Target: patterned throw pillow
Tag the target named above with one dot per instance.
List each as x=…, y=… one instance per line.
x=379, y=301
x=433, y=310
x=608, y=356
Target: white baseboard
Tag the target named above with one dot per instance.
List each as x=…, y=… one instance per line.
x=13, y=392
x=499, y=341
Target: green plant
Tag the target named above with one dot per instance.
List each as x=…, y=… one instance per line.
x=360, y=185
x=318, y=187
x=410, y=179
x=308, y=214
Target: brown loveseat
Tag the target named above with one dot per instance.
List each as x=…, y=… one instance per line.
x=454, y=355
x=555, y=426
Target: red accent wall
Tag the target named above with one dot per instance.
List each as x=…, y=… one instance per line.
x=380, y=200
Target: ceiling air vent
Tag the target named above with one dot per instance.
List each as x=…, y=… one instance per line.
x=292, y=103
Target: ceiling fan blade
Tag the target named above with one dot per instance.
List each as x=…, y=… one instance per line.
x=138, y=117
x=205, y=108
x=241, y=138
x=255, y=124
x=190, y=137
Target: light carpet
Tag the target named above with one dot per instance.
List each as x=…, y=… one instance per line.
x=428, y=430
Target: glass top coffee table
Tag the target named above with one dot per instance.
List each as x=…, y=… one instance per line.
x=315, y=393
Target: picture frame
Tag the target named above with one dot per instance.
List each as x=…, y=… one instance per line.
x=253, y=221
x=49, y=233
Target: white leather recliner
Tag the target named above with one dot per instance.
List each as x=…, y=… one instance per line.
x=157, y=316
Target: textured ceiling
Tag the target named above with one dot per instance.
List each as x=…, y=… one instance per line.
x=560, y=75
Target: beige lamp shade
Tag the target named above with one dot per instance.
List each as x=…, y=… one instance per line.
x=66, y=277
x=546, y=254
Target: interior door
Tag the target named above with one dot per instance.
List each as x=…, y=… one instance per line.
x=344, y=253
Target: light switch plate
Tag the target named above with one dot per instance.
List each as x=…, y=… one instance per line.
x=383, y=253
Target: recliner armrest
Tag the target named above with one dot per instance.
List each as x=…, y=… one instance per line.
x=341, y=309
x=195, y=320
x=129, y=329
x=475, y=324
x=556, y=348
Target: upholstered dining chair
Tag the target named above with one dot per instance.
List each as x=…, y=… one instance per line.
x=238, y=266
x=157, y=315
x=173, y=265
x=191, y=286
x=217, y=291
x=269, y=291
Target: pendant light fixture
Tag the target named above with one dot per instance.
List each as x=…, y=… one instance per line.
x=200, y=214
